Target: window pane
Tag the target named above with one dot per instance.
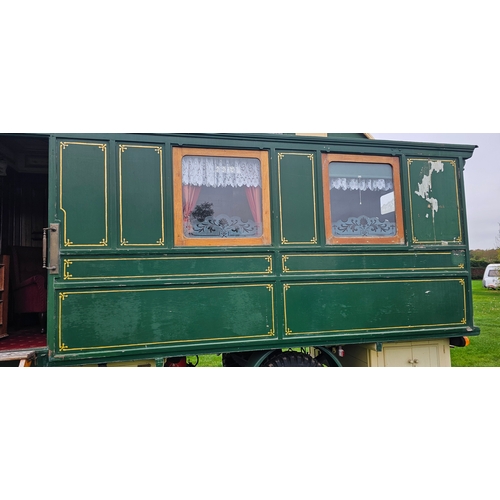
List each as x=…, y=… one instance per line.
x=221, y=197
x=362, y=199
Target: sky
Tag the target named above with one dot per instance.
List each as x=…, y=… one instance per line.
x=482, y=181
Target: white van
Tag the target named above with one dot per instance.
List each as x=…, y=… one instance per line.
x=491, y=277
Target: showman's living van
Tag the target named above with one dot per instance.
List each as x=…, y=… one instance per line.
x=266, y=249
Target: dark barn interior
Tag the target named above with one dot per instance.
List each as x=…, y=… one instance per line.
x=24, y=162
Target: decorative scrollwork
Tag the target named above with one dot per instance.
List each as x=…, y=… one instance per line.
x=223, y=226
x=364, y=226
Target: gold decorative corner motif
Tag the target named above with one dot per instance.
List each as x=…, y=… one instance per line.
x=158, y=150
x=314, y=240
x=67, y=263
x=124, y=242
x=63, y=145
x=286, y=287
x=280, y=156
x=463, y=321
x=284, y=268
x=462, y=282
x=160, y=241
x=68, y=243
x=63, y=295
x=102, y=147
x=123, y=148
x=269, y=287
x=63, y=346
x=288, y=331
x=284, y=241
x=461, y=266
x=415, y=240
x=269, y=259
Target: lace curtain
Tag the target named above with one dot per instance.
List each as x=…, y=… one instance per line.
x=198, y=171
x=220, y=171
x=360, y=184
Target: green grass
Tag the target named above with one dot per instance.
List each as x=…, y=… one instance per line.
x=483, y=351
x=208, y=360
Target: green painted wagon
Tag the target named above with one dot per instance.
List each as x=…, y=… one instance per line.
x=269, y=249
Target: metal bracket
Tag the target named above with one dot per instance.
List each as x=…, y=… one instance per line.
x=330, y=354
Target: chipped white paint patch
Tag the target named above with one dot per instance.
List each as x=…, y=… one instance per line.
x=425, y=187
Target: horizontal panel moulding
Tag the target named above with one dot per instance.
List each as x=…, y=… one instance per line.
x=372, y=262
x=165, y=267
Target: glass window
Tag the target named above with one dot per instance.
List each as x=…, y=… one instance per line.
x=362, y=199
x=221, y=197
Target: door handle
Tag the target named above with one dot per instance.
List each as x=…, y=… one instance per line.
x=53, y=266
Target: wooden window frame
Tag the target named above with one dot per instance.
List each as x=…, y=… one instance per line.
x=180, y=240
x=398, y=238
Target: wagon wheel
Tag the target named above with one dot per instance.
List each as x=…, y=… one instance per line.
x=291, y=359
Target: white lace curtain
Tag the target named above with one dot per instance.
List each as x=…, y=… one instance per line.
x=214, y=171
x=360, y=184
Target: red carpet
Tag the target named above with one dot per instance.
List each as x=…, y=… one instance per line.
x=27, y=338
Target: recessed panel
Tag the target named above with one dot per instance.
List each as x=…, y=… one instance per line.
x=142, y=219
x=353, y=307
x=130, y=318
x=435, y=211
x=297, y=198
x=83, y=198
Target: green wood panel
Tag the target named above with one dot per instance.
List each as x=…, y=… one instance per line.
x=345, y=307
x=131, y=318
x=142, y=218
x=83, y=197
x=373, y=262
x=434, y=201
x=160, y=267
x=297, y=198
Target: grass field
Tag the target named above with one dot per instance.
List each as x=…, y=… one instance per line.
x=483, y=351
